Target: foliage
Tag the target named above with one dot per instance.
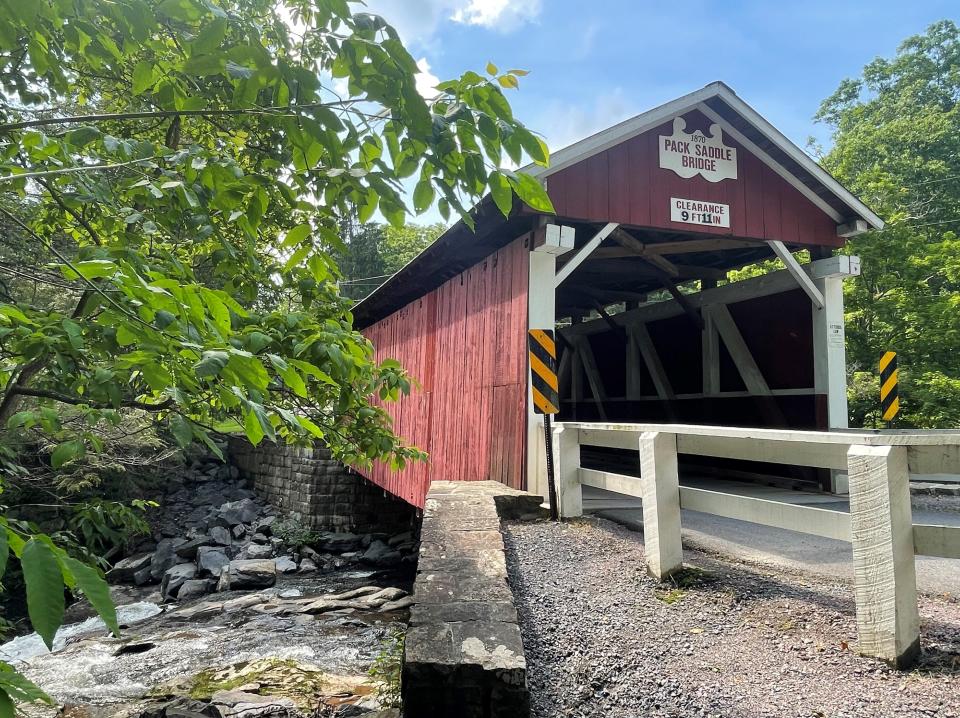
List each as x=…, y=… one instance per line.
x=176, y=173
x=897, y=145
x=387, y=669
x=293, y=532
x=374, y=252
x=103, y=525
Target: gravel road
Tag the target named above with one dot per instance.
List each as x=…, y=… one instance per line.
x=735, y=641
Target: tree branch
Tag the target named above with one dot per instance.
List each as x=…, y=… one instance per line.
x=79, y=400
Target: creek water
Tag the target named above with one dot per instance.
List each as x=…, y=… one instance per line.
x=159, y=654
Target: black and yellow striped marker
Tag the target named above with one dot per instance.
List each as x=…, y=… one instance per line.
x=543, y=371
x=889, y=393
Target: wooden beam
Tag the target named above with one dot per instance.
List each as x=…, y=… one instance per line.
x=593, y=375
x=660, y=485
x=794, y=267
x=687, y=246
x=641, y=337
x=762, y=286
x=630, y=242
x=577, y=259
x=739, y=352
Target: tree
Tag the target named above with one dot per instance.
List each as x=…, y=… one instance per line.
x=401, y=244
x=896, y=132
x=185, y=167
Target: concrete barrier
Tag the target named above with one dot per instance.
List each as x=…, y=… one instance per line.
x=463, y=655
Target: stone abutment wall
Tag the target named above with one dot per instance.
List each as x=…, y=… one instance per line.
x=307, y=483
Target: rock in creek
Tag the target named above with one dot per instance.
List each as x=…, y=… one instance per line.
x=134, y=569
x=189, y=549
x=210, y=560
x=379, y=554
x=175, y=577
x=164, y=557
x=252, y=573
x=258, y=551
x=220, y=536
x=285, y=564
x=196, y=587
x=339, y=542
x=232, y=513
x=240, y=704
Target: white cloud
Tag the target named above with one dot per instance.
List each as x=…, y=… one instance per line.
x=503, y=15
x=418, y=21
x=426, y=80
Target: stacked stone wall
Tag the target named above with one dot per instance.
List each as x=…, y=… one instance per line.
x=310, y=485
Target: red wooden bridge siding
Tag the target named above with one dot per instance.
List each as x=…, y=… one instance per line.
x=626, y=184
x=465, y=343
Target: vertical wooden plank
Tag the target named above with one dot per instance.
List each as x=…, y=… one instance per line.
x=598, y=187
x=771, y=204
x=884, y=572
x=660, y=485
x=752, y=185
x=638, y=161
x=618, y=162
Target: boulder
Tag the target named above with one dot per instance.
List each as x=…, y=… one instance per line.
x=189, y=549
x=253, y=573
x=398, y=605
x=244, y=511
x=307, y=566
x=164, y=557
x=133, y=569
x=175, y=577
x=256, y=550
x=381, y=555
x=260, y=538
x=339, y=542
x=397, y=539
x=210, y=560
x=285, y=564
x=265, y=525
x=196, y=587
x=239, y=531
x=220, y=536
x=240, y=704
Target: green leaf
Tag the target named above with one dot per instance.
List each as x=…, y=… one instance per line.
x=17, y=687
x=211, y=363
x=4, y=549
x=210, y=37
x=44, y=581
x=423, y=195
x=142, y=77
x=204, y=65
x=182, y=431
x=296, y=235
x=492, y=69
x=90, y=269
x=95, y=589
x=252, y=427
x=67, y=451
x=501, y=191
x=532, y=193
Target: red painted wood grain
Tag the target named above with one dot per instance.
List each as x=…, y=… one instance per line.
x=465, y=343
x=626, y=184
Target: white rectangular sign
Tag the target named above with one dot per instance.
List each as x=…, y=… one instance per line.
x=692, y=211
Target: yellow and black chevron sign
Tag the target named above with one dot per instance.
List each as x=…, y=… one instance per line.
x=543, y=371
x=889, y=393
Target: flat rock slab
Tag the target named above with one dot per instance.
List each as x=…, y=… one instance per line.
x=464, y=656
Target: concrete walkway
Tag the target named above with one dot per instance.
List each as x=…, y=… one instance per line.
x=779, y=547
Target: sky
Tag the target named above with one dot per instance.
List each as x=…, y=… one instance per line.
x=593, y=63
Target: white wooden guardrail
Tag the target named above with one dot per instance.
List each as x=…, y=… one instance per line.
x=879, y=525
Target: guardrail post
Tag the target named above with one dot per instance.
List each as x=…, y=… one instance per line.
x=660, y=486
x=884, y=573
x=566, y=466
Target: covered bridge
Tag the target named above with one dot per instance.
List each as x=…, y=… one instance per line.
x=632, y=271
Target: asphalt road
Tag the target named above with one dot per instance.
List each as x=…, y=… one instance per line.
x=778, y=547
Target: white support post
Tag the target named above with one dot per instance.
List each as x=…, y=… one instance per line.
x=566, y=470
x=829, y=352
x=884, y=573
x=541, y=314
x=660, y=486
